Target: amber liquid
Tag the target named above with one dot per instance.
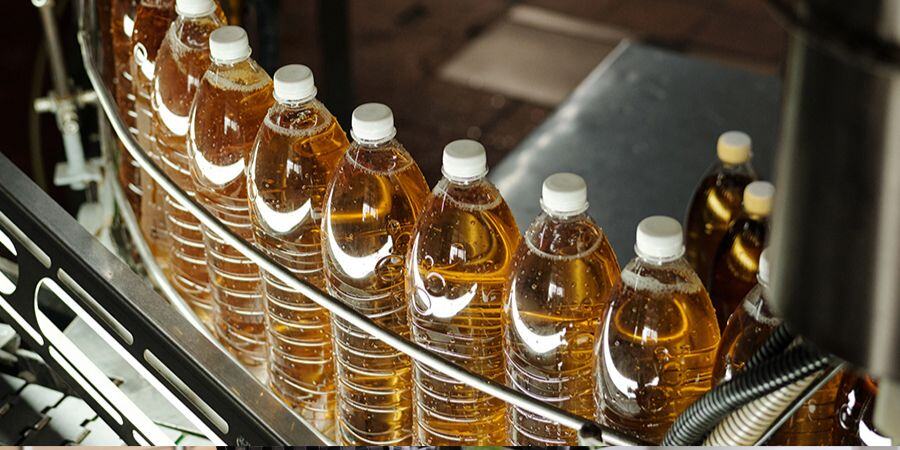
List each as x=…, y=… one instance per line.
x=182, y=60
x=370, y=210
x=854, y=424
x=461, y=255
x=151, y=22
x=813, y=423
x=716, y=202
x=736, y=265
x=746, y=331
x=122, y=27
x=293, y=159
x=657, y=348
x=561, y=283
x=229, y=107
x=748, y=328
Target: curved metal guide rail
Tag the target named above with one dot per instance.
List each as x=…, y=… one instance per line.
x=590, y=432
x=52, y=262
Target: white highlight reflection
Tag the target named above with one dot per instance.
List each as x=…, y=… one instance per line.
x=871, y=437
x=219, y=175
x=282, y=222
x=438, y=306
x=143, y=61
x=178, y=125
x=538, y=343
x=356, y=267
x=127, y=25
x=623, y=384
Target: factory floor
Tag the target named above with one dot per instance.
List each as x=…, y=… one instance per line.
x=493, y=69
x=484, y=69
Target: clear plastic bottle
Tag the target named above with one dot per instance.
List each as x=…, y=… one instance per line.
x=371, y=206
x=151, y=24
x=462, y=251
x=561, y=283
x=293, y=158
x=717, y=200
x=229, y=107
x=182, y=60
x=122, y=15
x=659, y=337
x=748, y=328
x=737, y=259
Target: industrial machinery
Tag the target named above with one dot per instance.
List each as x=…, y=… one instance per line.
x=841, y=70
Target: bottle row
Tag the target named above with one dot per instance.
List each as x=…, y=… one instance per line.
x=550, y=314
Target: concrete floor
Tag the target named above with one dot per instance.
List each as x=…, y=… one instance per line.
x=480, y=69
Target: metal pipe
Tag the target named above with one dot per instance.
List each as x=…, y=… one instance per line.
x=413, y=350
x=66, y=112
x=836, y=223
x=54, y=48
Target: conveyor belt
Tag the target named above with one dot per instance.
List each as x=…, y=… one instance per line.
x=31, y=414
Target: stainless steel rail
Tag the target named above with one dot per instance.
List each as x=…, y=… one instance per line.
x=586, y=427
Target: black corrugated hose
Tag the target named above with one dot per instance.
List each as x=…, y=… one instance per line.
x=700, y=418
x=776, y=343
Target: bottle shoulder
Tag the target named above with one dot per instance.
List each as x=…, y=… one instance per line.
x=566, y=238
x=473, y=212
x=245, y=76
x=388, y=158
x=477, y=195
x=675, y=276
x=661, y=305
x=152, y=18
x=756, y=307
x=739, y=171
x=744, y=231
x=192, y=34
x=718, y=194
x=298, y=121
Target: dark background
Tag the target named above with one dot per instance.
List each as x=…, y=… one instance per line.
x=395, y=51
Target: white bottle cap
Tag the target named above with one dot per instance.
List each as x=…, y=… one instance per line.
x=764, y=266
x=758, y=197
x=659, y=237
x=464, y=159
x=734, y=147
x=229, y=44
x=564, y=194
x=294, y=83
x=194, y=8
x=372, y=123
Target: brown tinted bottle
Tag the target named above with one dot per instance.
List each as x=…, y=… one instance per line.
x=854, y=421
x=716, y=201
x=737, y=259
